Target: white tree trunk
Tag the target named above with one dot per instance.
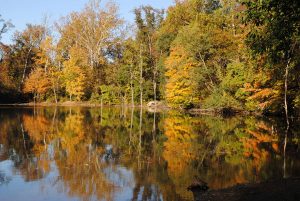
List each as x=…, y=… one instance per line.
x=285, y=91
x=141, y=77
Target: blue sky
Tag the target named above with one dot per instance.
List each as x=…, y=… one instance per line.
x=22, y=12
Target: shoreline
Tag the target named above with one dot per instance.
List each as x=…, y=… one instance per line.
x=275, y=190
x=66, y=104
x=160, y=107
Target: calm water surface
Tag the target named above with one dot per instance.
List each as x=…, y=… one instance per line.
x=64, y=154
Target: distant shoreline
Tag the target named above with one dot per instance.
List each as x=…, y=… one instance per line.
x=68, y=103
x=160, y=107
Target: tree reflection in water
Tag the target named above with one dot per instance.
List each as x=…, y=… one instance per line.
x=101, y=154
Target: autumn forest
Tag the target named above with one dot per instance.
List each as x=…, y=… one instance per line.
x=199, y=101
x=242, y=55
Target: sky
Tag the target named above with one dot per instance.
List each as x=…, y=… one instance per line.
x=22, y=12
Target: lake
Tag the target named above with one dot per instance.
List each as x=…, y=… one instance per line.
x=64, y=154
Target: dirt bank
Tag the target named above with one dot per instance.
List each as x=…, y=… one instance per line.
x=277, y=190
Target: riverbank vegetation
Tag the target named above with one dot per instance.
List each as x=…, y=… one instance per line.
x=197, y=54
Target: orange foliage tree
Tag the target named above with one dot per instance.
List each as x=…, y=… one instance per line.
x=37, y=83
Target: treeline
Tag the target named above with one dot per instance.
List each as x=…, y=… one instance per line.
x=200, y=53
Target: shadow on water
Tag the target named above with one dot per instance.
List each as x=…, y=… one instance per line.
x=123, y=154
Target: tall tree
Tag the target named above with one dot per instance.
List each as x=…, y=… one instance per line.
x=46, y=59
x=95, y=30
x=275, y=33
x=180, y=88
x=75, y=75
x=148, y=20
x=28, y=43
x=201, y=54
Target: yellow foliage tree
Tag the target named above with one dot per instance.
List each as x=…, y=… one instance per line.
x=180, y=88
x=43, y=57
x=93, y=29
x=74, y=76
x=180, y=150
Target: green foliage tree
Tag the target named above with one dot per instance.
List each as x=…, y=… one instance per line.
x=275, y=34
x=199, y=54
x=148, y=20
x=213, y=40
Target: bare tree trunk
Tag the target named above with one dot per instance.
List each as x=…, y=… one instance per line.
x=285, y=91
x=46, y=66
x=154, y=83
x=55, y=96
x=24, y=70
x=204, y=64
x=141, y=77
x=286, y=115
x=141, y=109
x=25, y=66
x=154, y=78
x=54, y=91
x=131, y=85
x=34, y=99
x=154, y=67
x=132, y=94
x=101, y=110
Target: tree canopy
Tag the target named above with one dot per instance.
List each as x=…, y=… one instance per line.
x=197, y=53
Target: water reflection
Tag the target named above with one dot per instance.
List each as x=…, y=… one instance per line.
x=121, y=154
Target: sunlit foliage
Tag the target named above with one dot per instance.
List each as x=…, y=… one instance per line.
x=198, y=54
